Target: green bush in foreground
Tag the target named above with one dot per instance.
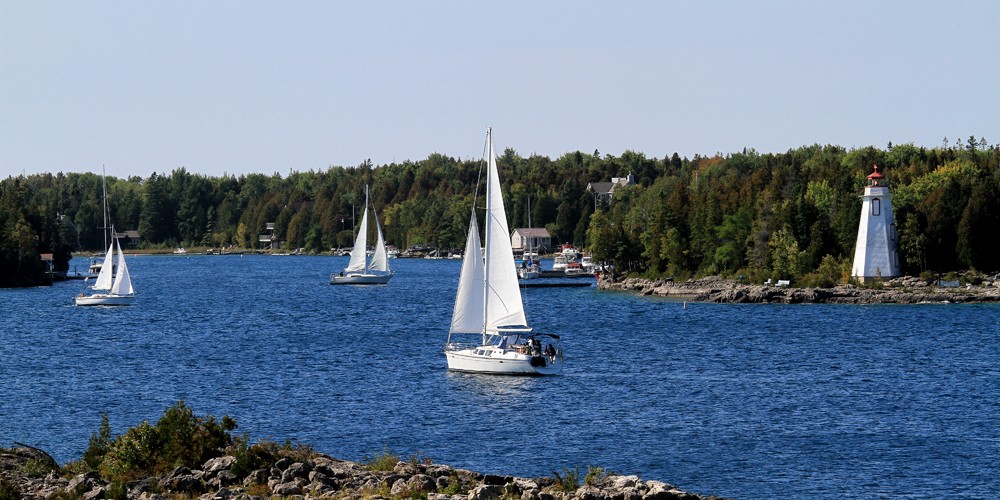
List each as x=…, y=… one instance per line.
x=179, y=438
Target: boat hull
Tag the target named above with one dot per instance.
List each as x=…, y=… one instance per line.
x=104, y=300
x=507, y=363
x=360, y=279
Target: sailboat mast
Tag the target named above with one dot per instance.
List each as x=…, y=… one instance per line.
x=368, y=262
x=489, y=216
x=104, y=190
x=529, y=226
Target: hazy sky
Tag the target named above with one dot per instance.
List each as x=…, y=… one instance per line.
x=238, y=86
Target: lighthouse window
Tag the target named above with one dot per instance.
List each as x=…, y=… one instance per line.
x=876, y=206
x=892, y=231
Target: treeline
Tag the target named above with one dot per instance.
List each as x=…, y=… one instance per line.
x=784, y=215
x=795, y=215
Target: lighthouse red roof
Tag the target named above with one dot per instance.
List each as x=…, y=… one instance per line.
x=876, y=175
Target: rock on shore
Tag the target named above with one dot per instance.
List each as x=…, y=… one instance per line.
x=905, y=290
x=31, y=474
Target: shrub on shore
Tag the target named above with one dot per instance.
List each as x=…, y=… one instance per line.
x=179, y=438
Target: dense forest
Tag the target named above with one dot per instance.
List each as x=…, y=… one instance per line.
x=791, y=215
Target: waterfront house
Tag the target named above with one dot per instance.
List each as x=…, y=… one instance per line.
x=604, y=191
x=536, y=238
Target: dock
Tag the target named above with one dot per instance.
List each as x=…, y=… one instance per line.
x=562, y=274
x=553, y=284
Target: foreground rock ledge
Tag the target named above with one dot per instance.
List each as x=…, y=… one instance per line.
x=906, y=290
x=319, y=476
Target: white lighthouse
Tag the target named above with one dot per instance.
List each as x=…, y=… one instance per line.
x=875, y=254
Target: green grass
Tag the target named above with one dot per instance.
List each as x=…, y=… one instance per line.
x=384, y=461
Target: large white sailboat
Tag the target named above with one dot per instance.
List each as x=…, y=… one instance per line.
x=108, y=291
x=488, y=302
x=360, y=270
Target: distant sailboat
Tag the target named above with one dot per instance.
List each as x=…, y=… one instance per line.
x=360, y=270
x=110, y=291
x=530, y=265
x=488, y=302
x=119, y=290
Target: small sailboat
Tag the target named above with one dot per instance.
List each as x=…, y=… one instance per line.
x=360, y=270
x=488, y=302
x=530, y=265
x=117, y=291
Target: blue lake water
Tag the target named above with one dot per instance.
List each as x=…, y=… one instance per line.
x=745, y=401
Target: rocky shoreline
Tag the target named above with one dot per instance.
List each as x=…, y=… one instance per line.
x=30, y=473
x=905, y=290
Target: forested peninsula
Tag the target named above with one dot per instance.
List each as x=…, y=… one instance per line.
x=790, y=216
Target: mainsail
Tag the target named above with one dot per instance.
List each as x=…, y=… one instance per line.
x=358, y=257
x=504, y=306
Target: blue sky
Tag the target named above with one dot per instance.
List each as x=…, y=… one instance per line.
x=238, y=87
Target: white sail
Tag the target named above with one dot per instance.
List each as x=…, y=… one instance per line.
x=358, y=257
x=380, y=261
x=468, y=314
x=123, y=281
x=504, y=306
x=104, y=277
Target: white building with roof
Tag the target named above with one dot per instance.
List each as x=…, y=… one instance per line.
x=876, y=252
x=534, y=238
x=604, y=191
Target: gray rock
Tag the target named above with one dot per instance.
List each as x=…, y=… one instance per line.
x=286, y=489
x=82, y=483
x=222, y=494
x=422, y=483
x=295, y=471
x=442, y=482
x=662, y=491
x=300, y=469
x=587, y=492
x=217, y=464
x=95, y=493
x=183, y=483
x=526, y=484
x=435, y=470
x=495, y=480
x=225, y=478
x=623, y=482
x=486, y=492
x=258, y=476
x=317, y=477
x=400, y=488
x=283, y=464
